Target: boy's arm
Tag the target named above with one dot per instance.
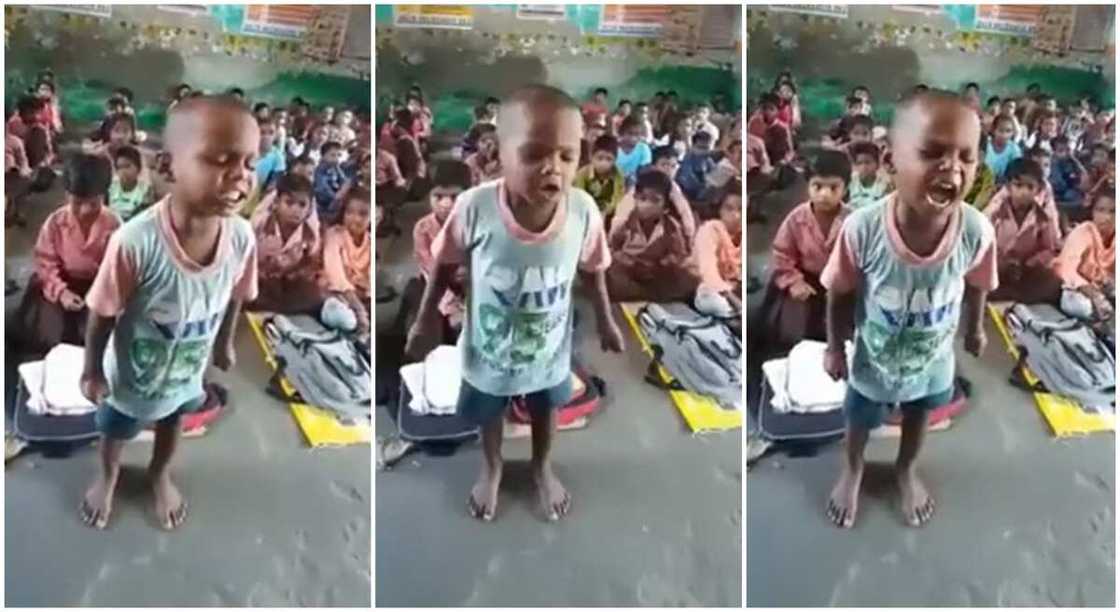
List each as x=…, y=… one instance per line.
x=610, y=336
x=840, y=320
x=93, y=384
x=975, y=301
x=224, y=355
x=424, y=335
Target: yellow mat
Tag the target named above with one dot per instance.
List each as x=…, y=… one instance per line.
x=1064, y=415
x=319, y=426
x=701, y=412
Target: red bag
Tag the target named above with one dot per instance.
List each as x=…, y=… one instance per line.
x=587, y=393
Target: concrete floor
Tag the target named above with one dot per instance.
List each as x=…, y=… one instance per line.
x=1023, y=519
x=656, y=516
x=271, y=523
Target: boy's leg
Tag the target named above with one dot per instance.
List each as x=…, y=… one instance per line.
x=917, y=504
x=171, y=507
x=488, y=411
x=863, y=416
x=116, y=428
x=554, y=497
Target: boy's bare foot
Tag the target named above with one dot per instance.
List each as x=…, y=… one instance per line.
x=97, y=504
x=844, y=500
x=555, y=499
x=917, y=504
x=483, y=500
x=171, y=508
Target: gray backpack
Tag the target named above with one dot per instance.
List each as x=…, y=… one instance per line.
x=1064, y=353
x=327, y=369
x=701, y=352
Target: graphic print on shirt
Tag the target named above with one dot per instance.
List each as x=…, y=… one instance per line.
x=167, y=362
x=530, y=305
x=909, y=332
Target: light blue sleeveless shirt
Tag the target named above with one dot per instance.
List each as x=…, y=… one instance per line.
x=162, y=341
x=518, y=334
x=907, y=315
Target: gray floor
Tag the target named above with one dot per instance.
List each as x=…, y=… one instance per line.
x=272, y=523
x=1023, y=519
x=656, y=517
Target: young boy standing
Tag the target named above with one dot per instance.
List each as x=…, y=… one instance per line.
x=523, y=238
x=899, y=277
x=167, y=297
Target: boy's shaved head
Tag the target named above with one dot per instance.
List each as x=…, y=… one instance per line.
x=935, y=141
x=185, y=121
x=539, y=131
x=532, y=97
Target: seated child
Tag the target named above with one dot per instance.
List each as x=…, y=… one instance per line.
x=759, y=170
x=272, y=163
x=1045, y=132
x=484, y=163
x=625, y=108
x=644, y=121
x=633, y=153
x=991, y=111
x=867, y=185
x=692, y=176
x=602, y=178
x=17, y=179
x=535, y=231
x=718, y=251
x=129, y=193
x=902, y=277
x=729, y=167
x=346, y=257
x=703, y=123
x=26, y=124
x=172, y=281
x=1067, y=176
x=303, y=166
x=1087, y=262
x=70, y=246
x=289, y=250
x=854, y=106
x=665, y=160
x=794, y=305
x=1027, y=237
x=649, y=251
x=329, y=179
x=1003, y=147
x=449, y=179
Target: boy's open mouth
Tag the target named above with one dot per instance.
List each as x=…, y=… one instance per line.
x=942, y=194
x=232, y=198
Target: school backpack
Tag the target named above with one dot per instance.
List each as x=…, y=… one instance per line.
x=327, y=368
x=1068, y=358
x=701, y=352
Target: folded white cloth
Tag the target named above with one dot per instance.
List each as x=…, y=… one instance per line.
x=434, y=382
x=54, y=384
x=808, y=383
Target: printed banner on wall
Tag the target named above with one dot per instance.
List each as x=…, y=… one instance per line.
x=633, y=20
x=186, y=9
x=681, y=31
x=923, y=9
x=836, y=11
x=278, y=20
x=542, y=11
x=327, y=34
x=586, y=16
x=1016, y=20
x=720, y=26
x=452, y=16
x=104, y=11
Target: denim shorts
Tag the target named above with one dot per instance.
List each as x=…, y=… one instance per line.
x=113, y=423
x=481, y=408
x=865, y=413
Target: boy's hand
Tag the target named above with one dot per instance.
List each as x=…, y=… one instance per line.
x=225, y=357
x=423, y=338
x=975, y=342
x=836, y=364
x=802, y=291
x=94, y=387
x=610, y=336
x=71, y=301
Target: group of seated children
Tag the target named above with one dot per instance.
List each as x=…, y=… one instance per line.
x=665, y=182
x=1048, y=191
x=309, y=208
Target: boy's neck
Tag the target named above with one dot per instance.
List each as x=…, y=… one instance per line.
x=187, y=221
x=534, y=218
x=129, y=184
x=820, y=212
x=867, y=181
x=921, y=233
x=605, y=174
